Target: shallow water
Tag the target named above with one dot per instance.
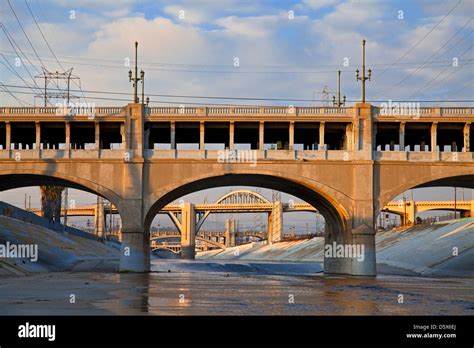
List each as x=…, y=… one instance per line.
x=235, y=288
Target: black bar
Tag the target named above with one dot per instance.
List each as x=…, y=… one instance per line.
x=139, y=330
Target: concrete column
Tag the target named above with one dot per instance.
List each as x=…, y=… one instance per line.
x=99, y=219
x=231, y=135
x=188, y=231
x=358, y=232
x=202, y=128
x=123, y=133
x=229, y=232
x=173, y=135
x=401, y=136
x=135, y=248
x=434, y=140
x=291, y=135
x=467, y=135
x=38, y=136
x=411, y=213
x=8, y=134
x=277, y=223
x=269, y=228
x=135, y=130
x=261, y=139
x=68, y=138
x=97, y=137
x=349, y=138
x=374, y=138
x=322, y=126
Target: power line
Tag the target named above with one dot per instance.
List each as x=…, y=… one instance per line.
x=240, y=105
x=230, y=98
x=23, y=30
x=13, y=43
x=234, y=70
x=419, y=41
x=49, y=47
x=422, y=66
x=425, y=87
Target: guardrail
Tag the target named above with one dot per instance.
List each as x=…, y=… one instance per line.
x=248, y=111
x=54, y=111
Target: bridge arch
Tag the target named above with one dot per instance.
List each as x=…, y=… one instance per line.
x=23, y=178
x=442, y=179
x=322, y=197
x=239, y=196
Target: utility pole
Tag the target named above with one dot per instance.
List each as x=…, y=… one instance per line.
x=455, y=203
x=363, y=78
x=66, y=205
x=338, y=103
x=136, y=79
x=57, y=76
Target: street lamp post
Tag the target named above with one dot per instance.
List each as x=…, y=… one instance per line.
x=363, y=78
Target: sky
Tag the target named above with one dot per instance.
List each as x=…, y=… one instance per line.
x=285, y=49
x=417, y=50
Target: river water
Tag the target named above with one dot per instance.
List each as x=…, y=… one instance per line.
x=233, y=288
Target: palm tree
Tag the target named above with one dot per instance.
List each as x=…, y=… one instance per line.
x=51, y=202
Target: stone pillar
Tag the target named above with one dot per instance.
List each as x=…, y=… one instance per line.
x=229, y=232
x=401, y=136
x=97, y=137
x=173, y=135
x=8, y=136
x=291, y=135
x=231, y=135
x=99, y=218
x=269, y=228
x=434, y=140
x=373, y=138
x=188, y=231
x=68, y=139
x=411, y=213
x=322, y=126
x=467, y=135
x=358, y=232
x=349, y=137
x=38, y=136
x=365, y=130
x=261, y=138
x=135, y=248
x=202, y=128
x=135, y=130
x=277, y=223
x=123, y=133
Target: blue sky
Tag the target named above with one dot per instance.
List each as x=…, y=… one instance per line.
x=189, y=47
x=280, y=56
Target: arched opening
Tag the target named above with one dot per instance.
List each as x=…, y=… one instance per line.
x=335, y=216
x=427, y=227
x=91, y=209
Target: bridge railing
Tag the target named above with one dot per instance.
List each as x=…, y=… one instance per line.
x=54, y=111
x=249, y=110
x=410, y=110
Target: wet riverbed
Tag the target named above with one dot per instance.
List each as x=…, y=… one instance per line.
x=213, y=288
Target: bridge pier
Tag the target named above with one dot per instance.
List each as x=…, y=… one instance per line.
x=135, y=247
x=229, y=232
x=275, y=223
x=188, y=231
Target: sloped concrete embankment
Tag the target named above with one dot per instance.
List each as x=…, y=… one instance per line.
x=56, y=251
x=421, y=250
